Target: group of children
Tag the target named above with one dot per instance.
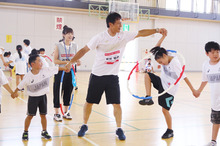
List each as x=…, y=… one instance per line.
x=37, y=81
x=170, y=71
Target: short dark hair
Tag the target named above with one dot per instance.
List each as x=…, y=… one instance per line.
x=27, y=42
x=211, y=46
x=158, y=52
x=112, y=17
x=32, y=58
x=42, y=49
x=7, y=53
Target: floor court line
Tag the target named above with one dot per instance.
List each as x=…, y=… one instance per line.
x=90, y=141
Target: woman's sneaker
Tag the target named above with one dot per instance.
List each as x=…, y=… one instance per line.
x=45, y=135
x=25, y=135
x=212, y=143
x=168, y=134
x=67, y=116
x=57, y=118
x=146, y=101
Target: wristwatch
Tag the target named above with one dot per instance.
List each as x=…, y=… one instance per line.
x=157, y=30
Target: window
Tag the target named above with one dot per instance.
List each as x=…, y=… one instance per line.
x=186, y=5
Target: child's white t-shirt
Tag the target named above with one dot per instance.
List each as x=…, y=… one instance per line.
x=27, y=50
x=211, y=73
x=7, y=59
x=3, y=81
x=38, y=85
x=170, y=73
x=20, y=63
x=109, y=51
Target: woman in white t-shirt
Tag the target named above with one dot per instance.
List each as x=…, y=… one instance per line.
x=170, y=72
x=20, y=60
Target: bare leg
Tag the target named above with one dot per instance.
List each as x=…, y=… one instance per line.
x=65, y=109
x=56, y=110
x=27, y=122
x=87, y=111
x=44, y=122
x=168, y=118
x=117, y=114
x=17, y=79
x=215, y=128
x=147, y=82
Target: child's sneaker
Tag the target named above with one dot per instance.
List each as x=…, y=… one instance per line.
x=76, y=88
x=45, y=135
x=82, y=130
x=67, y=116
x=168, y=134
x=25, y=135
x=120, y=134
x=57, y=118
x=212, y=143
x=146, y=101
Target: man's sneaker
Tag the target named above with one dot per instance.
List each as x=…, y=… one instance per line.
x=57, y=118
x=146, y=101
x=82, y=130
x=120, y=134
x=168, y=134
x=67, y=116
x=76, y=88
x=212, y=143
x=25, y=135
x=45, y=135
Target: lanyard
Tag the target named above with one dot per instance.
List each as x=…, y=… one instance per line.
x=66, y=51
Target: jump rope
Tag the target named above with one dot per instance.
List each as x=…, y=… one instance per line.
x=170, y=87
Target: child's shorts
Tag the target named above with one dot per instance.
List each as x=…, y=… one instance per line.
x=11, y=67
x=37, y=101
x=165, y=100
x=215, y=117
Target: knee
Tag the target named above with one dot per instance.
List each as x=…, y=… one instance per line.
x=117, y=106
x=29, y=117
x=43, y=116
x=165, y=111
x=88, y=104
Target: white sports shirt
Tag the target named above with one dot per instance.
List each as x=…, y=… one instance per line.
x=38, y=85
x=3, y=81
x=109, y=51
x=170, y=73
x=211, y=73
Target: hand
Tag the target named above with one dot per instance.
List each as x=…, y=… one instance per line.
x=78, y=62
x=196, y=93
x=68, y=67
x=163, y=31
x=14, y=95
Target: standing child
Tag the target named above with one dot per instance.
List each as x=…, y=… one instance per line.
x=171, y=69
x=4, y=82
x=211, y=75
x=20, y=60
x=37, y=82
x=27, y=48
x=7, y=55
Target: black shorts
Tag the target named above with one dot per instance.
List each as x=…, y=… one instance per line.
x=215, y=117
x=165, y=100
x=37, y=101
x=11, y=67
x=99, y=84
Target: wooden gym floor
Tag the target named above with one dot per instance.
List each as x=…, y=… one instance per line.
x=143, y=125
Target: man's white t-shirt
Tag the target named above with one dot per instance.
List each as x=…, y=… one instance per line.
x=109, y=51
x=211, y=73
x=20, y=63
x=170, y=73
x=38, y=85
x=3, y=81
